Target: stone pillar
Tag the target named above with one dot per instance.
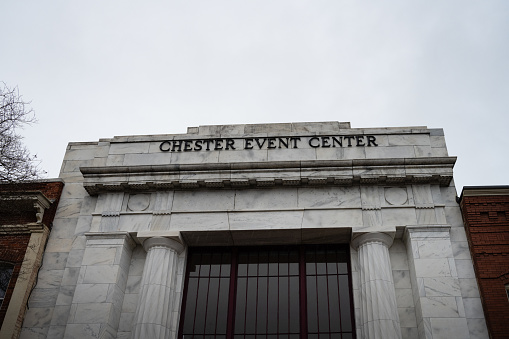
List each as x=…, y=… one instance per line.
x=97, y=301
x=158, y=289
x=378, y=299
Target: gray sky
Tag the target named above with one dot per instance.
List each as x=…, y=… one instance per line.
x=95, y=69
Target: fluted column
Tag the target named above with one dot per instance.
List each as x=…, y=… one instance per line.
x=379, y=310
x=157, y=291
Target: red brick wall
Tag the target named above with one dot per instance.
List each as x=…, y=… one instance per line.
x=14, y=246
x=487, y=226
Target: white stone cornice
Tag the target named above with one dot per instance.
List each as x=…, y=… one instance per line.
x=268, y=174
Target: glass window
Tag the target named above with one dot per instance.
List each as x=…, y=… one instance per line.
x=268, y=292
x=5, y=276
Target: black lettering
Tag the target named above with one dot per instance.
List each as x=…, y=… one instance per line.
x=197, y=145
x=207, y=141
x=271, y=143
x=371, y=140
x=163, y=147
x=187, y=146
x=349, y=137
x=338, y=141
x=247, y=144
x=294, y=142
x=312, y=139
x=217, y=144
x=229, y=143
x=281, y=141
x=177, y=143
x=260, y=146
x=325, y=142
x=360, y=140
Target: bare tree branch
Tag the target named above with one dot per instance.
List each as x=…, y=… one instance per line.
x=16, y=162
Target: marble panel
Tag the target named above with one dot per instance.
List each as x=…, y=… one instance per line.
x=453, y=216
x=60, y=315
x=43, y=297
x=265, y=199
x=115, y=160
x=449, y=196
x=70, y=276
x=460, y=250
x=372, y=218
x=329, y=197
x=242, y=155
x=106, y=274
x=90, y=293
x=134, y=222
x=198, y=201
x=469, y=288
x=437, y=141
x=447, y=328
x=163, y=201
x=38, y=317
x=407, y=317
x=130, y=303
x=432, y=268
x=477, y=328
x=265, y=220
x=83, y=225
x=92, y=313
x=408, y=139
x=55, y=260
x=439, y=307
x=63, y=228
x=399, y=261
x=291, y=154
x=71, y=166
x=442, y=286
x=439, y=152
x=49, y=278
x=34, y=333
x=147, y=159
x=405, y=299
x=458, y=234
x=473, y=308
x=331, y=218
x=340, y=153
x=68, y=208
x=133, y=284
x=126, y=322
x=465, y=268
x=398, y=246
x=401, y=279
x=425, y=216
x=80, y=331
x=409, y=333
x=199, y=221
x=194, y=157
x=434, y=249
x=398, y=217
x=423, y=151
x=390, y=152
x=65, y=295
x=99, y=255
x=126, y=148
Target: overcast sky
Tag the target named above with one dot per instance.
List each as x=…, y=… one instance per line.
x=96, y=69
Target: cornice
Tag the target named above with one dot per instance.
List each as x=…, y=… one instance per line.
x=268, y=174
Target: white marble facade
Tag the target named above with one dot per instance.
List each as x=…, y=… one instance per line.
x=130, y=202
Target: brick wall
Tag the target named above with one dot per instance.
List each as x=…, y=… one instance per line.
x=486, y=220
x=13, y=245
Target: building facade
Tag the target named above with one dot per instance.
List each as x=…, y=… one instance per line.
x=26, y=218
x=298, y=230
x=486, y=215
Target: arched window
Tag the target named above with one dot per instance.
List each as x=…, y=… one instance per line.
x=5, y=276
x=507, y=290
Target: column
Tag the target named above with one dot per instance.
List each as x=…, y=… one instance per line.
x=378, y=299
x=158, y=289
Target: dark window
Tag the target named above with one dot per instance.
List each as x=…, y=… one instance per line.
x=5, y=276
x=268, y=292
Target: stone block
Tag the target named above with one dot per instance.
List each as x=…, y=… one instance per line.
x=50, y=278
x=473, y=308
x=407, y=317
x=432, y=268
x=439, y=307
x=469, y=288
x=265, y=199
x=477, y=328
x=442, y=286
x=265, y=220
x=65, y=295
x=127, y=148
x=398, y=217
x=331, y=218
x=38, y=317
x=390, y=152
x=449, y=328
x=106, y=274
x=200, y=201
x=401, y=279
x=55, y=260
x=68, y=208
x=329, y=197
x=81, y=331
x=404, y=299
x=43, y=297
x=465, y=268
x=199, y=221
x=90, y=293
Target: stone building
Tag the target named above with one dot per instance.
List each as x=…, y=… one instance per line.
x=486, y=215
x=26, y=217
x=297, y=230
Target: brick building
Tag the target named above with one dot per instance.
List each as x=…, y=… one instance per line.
x=26, y=215
x=485, y=212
